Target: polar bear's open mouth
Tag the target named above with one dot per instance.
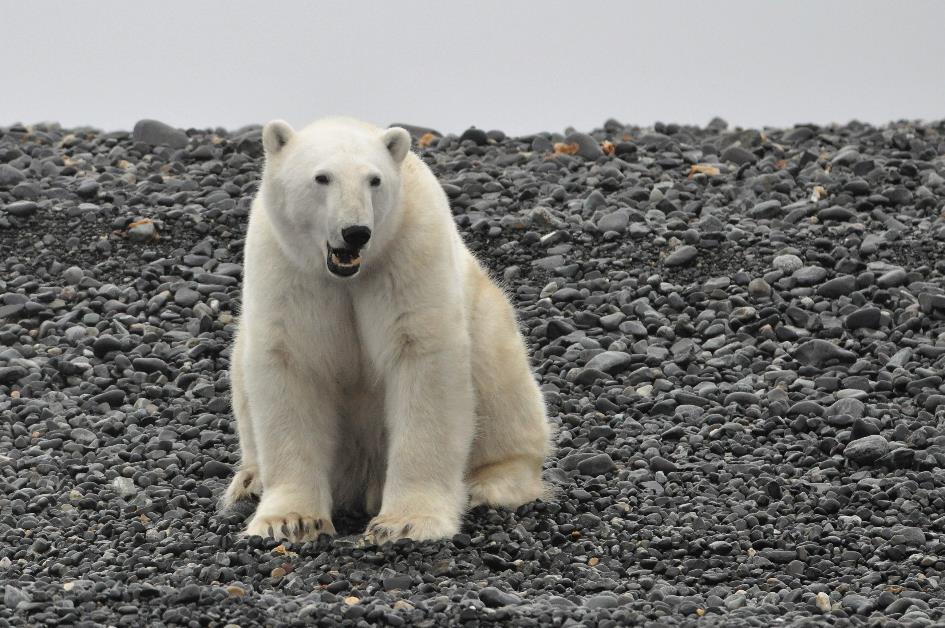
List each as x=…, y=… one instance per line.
x=343, y=262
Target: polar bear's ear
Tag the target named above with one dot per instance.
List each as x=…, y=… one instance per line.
x=397, y=141
x=275, y=135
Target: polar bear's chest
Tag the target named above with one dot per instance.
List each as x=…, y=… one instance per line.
x=320, y=332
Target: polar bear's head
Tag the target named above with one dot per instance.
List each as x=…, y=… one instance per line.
x=331, y=190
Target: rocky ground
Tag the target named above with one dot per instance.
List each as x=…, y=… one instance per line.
x=740, y=334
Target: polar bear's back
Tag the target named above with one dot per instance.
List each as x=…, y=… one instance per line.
x=341, y=123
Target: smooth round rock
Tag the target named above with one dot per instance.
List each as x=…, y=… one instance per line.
x=867, y=449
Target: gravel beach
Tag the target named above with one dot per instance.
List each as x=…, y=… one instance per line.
x=740, y=335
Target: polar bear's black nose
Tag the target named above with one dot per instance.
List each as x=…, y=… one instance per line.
x=356, y=236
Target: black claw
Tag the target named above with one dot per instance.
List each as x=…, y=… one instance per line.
x=318, y=525
x=285, y=529
x=247, y=482
x=272, y=532
x=407, y=530
x=301, y=527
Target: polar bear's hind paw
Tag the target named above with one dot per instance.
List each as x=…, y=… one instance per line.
x=244, y=485
x=507, y=484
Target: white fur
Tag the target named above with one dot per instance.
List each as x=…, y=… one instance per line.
x=404, y=389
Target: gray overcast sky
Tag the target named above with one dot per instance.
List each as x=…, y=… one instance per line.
x=512, y=65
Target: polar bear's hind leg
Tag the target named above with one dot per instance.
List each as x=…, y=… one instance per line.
x=513, y=434
x=246, y=483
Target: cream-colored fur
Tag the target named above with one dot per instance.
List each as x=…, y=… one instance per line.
x=404, y=389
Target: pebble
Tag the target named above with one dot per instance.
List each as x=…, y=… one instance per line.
x=477, y=136
x=614, y=221
x=866, y=450
x=88, y=188
x=735, y=601
x=601, y=601
x=867, y=317
x=610, y=362
x=818, y=352
x=809, y=275
x=10, y=176
x=216, y=469
x=759, y=288
x=682, y=255
x=799, y=134
x=73, y=275
x=186, y=297
x=910, y=535
x=125, y=487
x=787, y=263
x=766, y=210
x=157, y=133
x=189, y=593
x=588, y=148
x=846, y=156
x=142, y=231
x=890, y=279
x=494, y=598
x=83, y=436
x=738, y=155
x=402, y=581
x=21, y=209
x=837, y=287
x=659, y=463
x=598, y=464
x=13, y=596
x=836, y=213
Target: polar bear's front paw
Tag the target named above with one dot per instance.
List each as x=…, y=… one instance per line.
x=291, y=526
x=387, y=528
x=244, y=485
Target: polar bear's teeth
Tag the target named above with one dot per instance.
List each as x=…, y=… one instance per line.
x=345, y=263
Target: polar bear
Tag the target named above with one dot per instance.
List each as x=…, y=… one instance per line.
x=375, y=365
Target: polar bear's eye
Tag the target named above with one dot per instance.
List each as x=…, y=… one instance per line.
x=322, y=179
x=375, y=182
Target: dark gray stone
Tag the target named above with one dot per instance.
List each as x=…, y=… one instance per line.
x=738, y=155
x=10, y=176
x=809, y=275
x=588, y=148
x=614, y=221
x=682, y=255
x=818, y=352
x=495, y=598
x=157, y=133
x=866, y=450
x=765, y=210
x=837, y=287
x=610, y=362
x=867, y=317
x=599, y=464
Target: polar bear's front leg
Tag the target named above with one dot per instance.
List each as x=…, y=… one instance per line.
x=295, y=434
x=429, y=409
